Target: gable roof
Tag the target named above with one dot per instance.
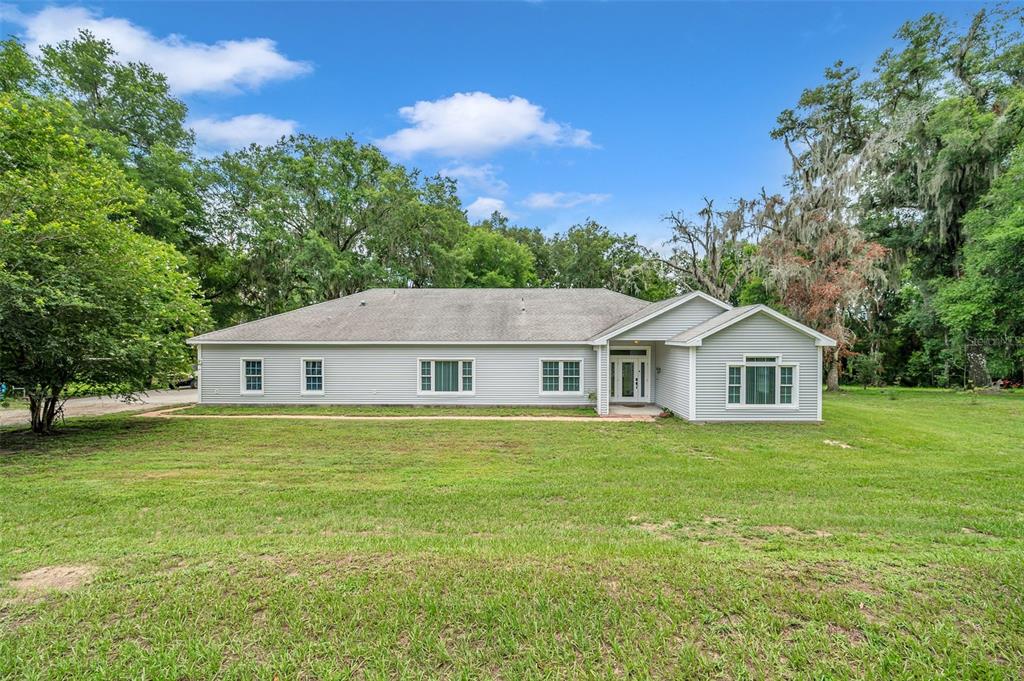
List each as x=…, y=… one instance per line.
x=532, y=315
x=652, y=311
x=694, y=336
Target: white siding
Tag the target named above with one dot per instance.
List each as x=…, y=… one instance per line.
x=389, y=374
x=672, y=322
x=756, y=335
x=602, y=380
x=673, y=386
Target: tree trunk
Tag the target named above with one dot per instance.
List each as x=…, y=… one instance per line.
x=44, y=407
x=832, y=381
x=977, y=367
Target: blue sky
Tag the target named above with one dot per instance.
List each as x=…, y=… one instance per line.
x=554, y=112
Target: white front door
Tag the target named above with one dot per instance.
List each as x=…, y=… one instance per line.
x=629, y=377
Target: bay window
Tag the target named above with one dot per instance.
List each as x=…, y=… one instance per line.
x=761, y=381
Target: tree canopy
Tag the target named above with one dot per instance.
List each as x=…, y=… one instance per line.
x=83, y=295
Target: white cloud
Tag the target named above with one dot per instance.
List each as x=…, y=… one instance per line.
x=549, y=200
x=224, y=66
x=239, y=131
x=482, y=208
x=482, y=178
x=475, y=124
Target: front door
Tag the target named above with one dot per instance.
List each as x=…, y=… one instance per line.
x=629, y=380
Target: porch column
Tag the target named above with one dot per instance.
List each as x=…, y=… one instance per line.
x=602, y=379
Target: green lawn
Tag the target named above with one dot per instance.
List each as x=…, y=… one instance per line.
x=241, y=549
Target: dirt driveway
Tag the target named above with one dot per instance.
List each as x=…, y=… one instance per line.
x=94, y=406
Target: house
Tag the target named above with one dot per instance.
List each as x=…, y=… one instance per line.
x=697, y=356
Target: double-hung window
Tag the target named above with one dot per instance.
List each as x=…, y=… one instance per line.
x=312, y=376
x=761, y=381
x=561, y=376
x=447, y=376
x=252, y=376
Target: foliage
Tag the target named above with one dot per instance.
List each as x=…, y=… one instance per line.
x=488, y=259
x=309, y=219
x=83, y=296
x=899, y=160
x=589, y=255
x=986, y=303
x=866, y=369
x=718, y=254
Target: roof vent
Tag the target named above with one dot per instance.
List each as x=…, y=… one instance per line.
x=522, y=304
x=362, y=303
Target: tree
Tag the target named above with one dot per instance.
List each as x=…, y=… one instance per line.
x=128, y=114
x=589, y=255
x=816, y=257
x=533, y=239
x=489, y=259
x=83, y=296
x=900, y=158
x=717, y=255
x=309, y=219
x=986, y=304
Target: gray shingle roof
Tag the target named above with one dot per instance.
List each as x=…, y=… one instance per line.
x=443, y=315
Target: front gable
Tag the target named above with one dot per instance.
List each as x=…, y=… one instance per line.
x=673, y=321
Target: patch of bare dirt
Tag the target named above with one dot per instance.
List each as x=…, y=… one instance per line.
x=837, y=443
x=971, y=530
x=55, y=578
x=794, y=532
x=660, y=530
x=854, y=636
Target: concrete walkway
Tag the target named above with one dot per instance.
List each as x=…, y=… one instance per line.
x=174, y=414
x=96, y=406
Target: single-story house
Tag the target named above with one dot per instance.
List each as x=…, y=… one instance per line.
x=697, y=356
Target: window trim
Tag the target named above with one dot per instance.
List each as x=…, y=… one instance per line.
x=778, y=364
x=241, y=375
x=302, y=376
x=561, y=375
x=433, y=374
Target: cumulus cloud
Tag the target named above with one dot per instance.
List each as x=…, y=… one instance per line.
x=475, y=124
x=482, y=178
x=482, y=208
x=217, y=134
x=223, y=66
x=549, y=200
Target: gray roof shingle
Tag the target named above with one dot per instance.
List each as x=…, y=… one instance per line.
x=443, y=315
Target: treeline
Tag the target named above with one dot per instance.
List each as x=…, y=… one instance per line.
x=900, y=234
x=904, y=229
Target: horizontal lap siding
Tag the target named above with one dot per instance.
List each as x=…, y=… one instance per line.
x=673, y=386
x=759, y=334
x=381, y=374
x=675, y=321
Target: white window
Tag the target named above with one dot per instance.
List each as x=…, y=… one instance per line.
x=446, y=376
x=312, y=376
x=761, y=381
x=251, y=375
x=561, y=376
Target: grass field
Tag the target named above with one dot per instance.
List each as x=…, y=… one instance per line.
x=887, y=543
